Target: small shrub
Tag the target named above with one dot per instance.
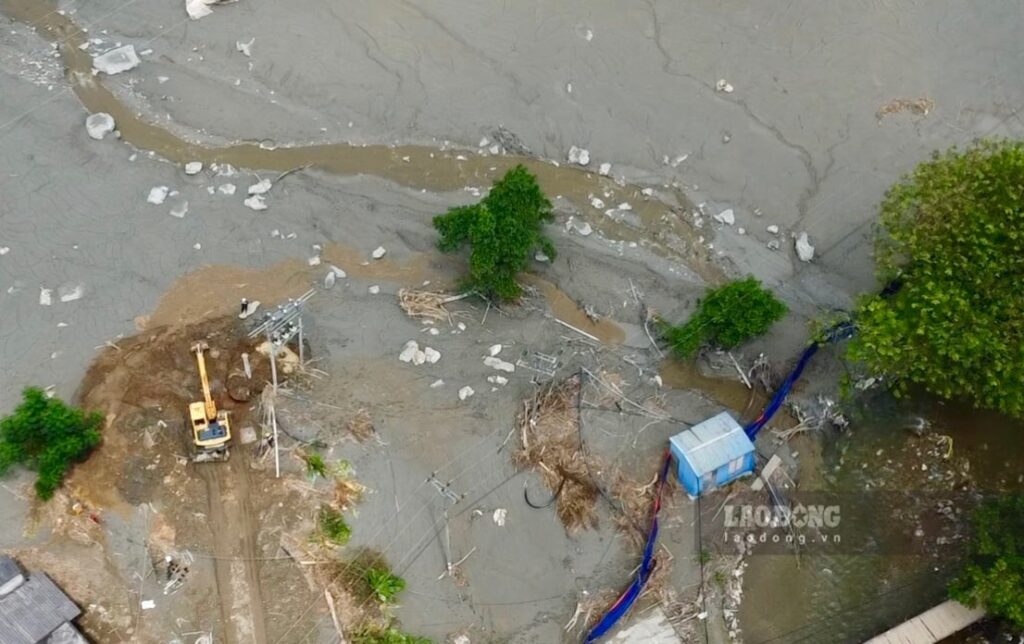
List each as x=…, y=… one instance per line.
x=384, y=584
x=332, y=525
x=49, y=436
x=315, y=465
x=385, y=635
x=726, y=317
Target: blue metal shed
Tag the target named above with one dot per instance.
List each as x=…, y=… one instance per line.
x=712, y=453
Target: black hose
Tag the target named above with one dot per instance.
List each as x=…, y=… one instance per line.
x=526, y=496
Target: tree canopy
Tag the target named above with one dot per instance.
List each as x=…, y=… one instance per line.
x=952, y=232
x=994, y=574
x=726, y=317
x=49, y=436
x=502, y=232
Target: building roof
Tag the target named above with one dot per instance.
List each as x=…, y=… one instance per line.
x=33, y=611
x=66, y=634
x=713, y=443
x=9, y=569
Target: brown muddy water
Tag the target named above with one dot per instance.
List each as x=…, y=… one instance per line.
x=659, y=224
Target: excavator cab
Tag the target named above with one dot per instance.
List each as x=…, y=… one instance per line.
x=211, y=428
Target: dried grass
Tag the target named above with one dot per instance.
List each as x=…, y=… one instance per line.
x=424, y=305
x=549, y=435
x=347, y=492
x=920, y=106
x=360, y=427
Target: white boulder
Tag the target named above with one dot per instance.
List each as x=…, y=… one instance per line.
x=157, y=195
x=804, y=250
x=193, y=167
x=727, y=217
x=99, y=125
x=499, y=364
x=409, y=351
x=579, y=156
x=466, y=392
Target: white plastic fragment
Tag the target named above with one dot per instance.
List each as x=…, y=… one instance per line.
x=226, y=189
x=157, y=195
x=256, y=202
x=466, y=392
x=579, y=156
x=604, y=169
x=99, y=125
x=45, y=296
x=261, y=187
x=589, y=35
x=70, y=293
x=727, y=217
x=495, y=349
x=117, y=60
x=197, y=9
x=180, y=210
x=378, y=252
x=245, y=47
x=162, y=79
x=193, y=167
x=374, y=289
x=499, y=364
x=678, y=160
x=148, y=604
x=804, y=250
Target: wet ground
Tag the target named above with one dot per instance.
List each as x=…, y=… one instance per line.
x=806, y=141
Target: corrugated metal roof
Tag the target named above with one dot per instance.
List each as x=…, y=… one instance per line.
x=713, y=443
x=9, y=569
x=33, y=611
x=66, y=634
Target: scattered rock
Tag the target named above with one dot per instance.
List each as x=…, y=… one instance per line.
x=804, y=250
x=4, y=250
x=499, y=364
x=584, y=229
x=589, y=35
x=541, y=257
x=604, y=169
x=727, y=217
x=437, y=383
x=741, y=231
x=510, y=142
x=256, y=202
x=431, y=355
x=71, y=293
x=45, y=296
x=497, y=380
x=373, y=290
x=193, y=167
x=262, y=187
x=340, y=274
x=499, y=517
x=409, y=351
x=495, y=349
x=99, y=125
x=378, y=252
x=314, y=260
x=226, y=189
x=466, y=392
x=723, y=86
x=495, y=149
x=625, y=206
x=329, y=279
x=678, y=160
x=245, y=47
x=773, y=244
x=117, y=60
x=773, y=229
x=157, y=195
x=579, y=156
x=180, y=210
x=597, y=203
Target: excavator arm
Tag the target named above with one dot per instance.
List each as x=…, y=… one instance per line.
x=211, y=407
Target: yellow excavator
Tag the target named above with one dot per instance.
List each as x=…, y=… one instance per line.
x=211, y=429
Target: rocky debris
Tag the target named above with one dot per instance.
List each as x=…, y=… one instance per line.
x=432, y=355
x=604, y=169
x=226, y=189
x=373, y=290
x=499, y=364
x=261, y=187
x=804, y=250
x=495, y=349
x=193, y=167
x=117, y=60
x=256, y=202
x=466, y=392
x=378, y=252
x=245, y=48
x=45, y=296
x=579, y=156
x=157, y=195
x=727, y=217
x=180, y=210
x=314, y=260
x=584, y=229
x=597, y=203
x=510, y=142
x=625, y=206
x=409, y=352
x=99, y=125
x=773, y=229
x=723, y=86
x=499, y=516
x=497, y=380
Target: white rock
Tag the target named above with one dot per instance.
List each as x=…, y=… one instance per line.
x=245, y=47
x=197, y=246
x=541, y=257
x=226, y=189
x=373, y=290
x=329, y=279
x=262, y=187
x=584, y=229
x=462, y=326
x=657, y=380
x=314, y=260
x=589, y=35
x=499, y=364
x=679, y=159
x=804, y=250
x=495, y=349
x=773, y=229
x=434, y=331
x=431, y=355
x=45, y=296
x=773, y=244
x=340, y=274
x=180, y=210
x=723, y=86
x=727, y=217
x=741, y=231
x=484, y=142
x=256, y=202
x=419, y=358
x=597, y=203
x=116, y=60
x=378, y=252
x=568, y=88
x=162, y=79
x=497, y=380
x=604, y=169
x=193, y=167
x=647, y=192
x=495, y=149
x=197, y=9
x=466, y=392
x=99, y=125
x=409, y=351
x=4, y=250
x=437, y=383
x=499, y=517
x=157, y=195
x=624, y=206
x=579, y=156
x=71, y=293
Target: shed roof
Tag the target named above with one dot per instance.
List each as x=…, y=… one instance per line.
x=34, y=610
x=9, y=569
x=713, y=443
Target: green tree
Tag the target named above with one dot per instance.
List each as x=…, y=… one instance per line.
x=502, y=231
x=994, y=575
x=49, y=436
x=952, y=232
x=726, y=317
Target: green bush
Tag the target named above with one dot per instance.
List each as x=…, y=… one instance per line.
x=994, y=575
x=315, y=465
x=49, y=436
x=332, y=525
x=502, y=231
x=726, y=317
x=384, y=584
x=953, y=233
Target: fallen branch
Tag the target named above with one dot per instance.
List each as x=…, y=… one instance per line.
x=580, y=331
x=334, y=617
x=746, y=381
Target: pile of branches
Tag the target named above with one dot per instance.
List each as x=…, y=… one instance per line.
x=425, y=305
x=550, y=445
